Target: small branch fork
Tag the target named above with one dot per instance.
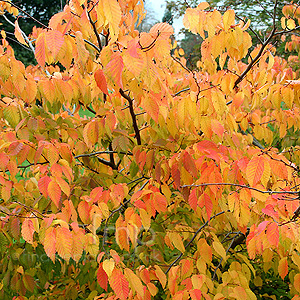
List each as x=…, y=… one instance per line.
x=115, y=211
x=193, y=238
x=264, y=44
x=133, y=116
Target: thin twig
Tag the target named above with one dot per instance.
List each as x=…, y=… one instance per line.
x=26, y=13
x=178, y=93
x=241, y=186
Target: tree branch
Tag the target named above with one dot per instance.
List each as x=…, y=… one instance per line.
x=102, y=152
x=133, y=116
x=256, y=58
x=193, y=238
x=95, y=30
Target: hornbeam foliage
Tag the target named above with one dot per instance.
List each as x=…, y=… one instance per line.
x=126, y=175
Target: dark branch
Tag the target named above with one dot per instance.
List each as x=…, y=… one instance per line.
x=133, y=116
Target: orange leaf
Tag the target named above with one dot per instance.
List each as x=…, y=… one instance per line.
x=40, y=49
x=18, y=34
x=119, y=284
x=96, y=194
x=15, y=228
x=64, y=243
x=54, y=40
x=84, y=211
x=101, y=81
x=28, y=230
x=283, y=267
x=63, y=185
x=49, y=242
x=162, y=30
x=254, y=170
x=161, y=276
x=196, y=294
x=114, y=69
x=54, y=192
x=43, y=185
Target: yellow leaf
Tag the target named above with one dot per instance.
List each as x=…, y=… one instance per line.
x=12, y=115
x=297, y=282
x=219, y=249
x=161, y=276
x=177, y=241
x=219, y=102
x=197, y=281
x=113, y=15
x=228, y=19
x=134, y=282
x=145, y=218
x=283, y=25
x=291, y=24
x=108, y=266
x=266, y=174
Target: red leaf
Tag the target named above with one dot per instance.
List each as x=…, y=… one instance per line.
x=269, y=211
x=160, y=202
x=193, y=199
x=176, y=175
x=119, y=284
x=102, y=277
x=101, y=81
x=208, y=205
x=189, y=164
x=195, y=294
x=273, y=234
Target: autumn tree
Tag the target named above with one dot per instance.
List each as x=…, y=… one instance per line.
x=136, y=177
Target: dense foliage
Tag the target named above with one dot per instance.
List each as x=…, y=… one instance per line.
x=124, y=174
